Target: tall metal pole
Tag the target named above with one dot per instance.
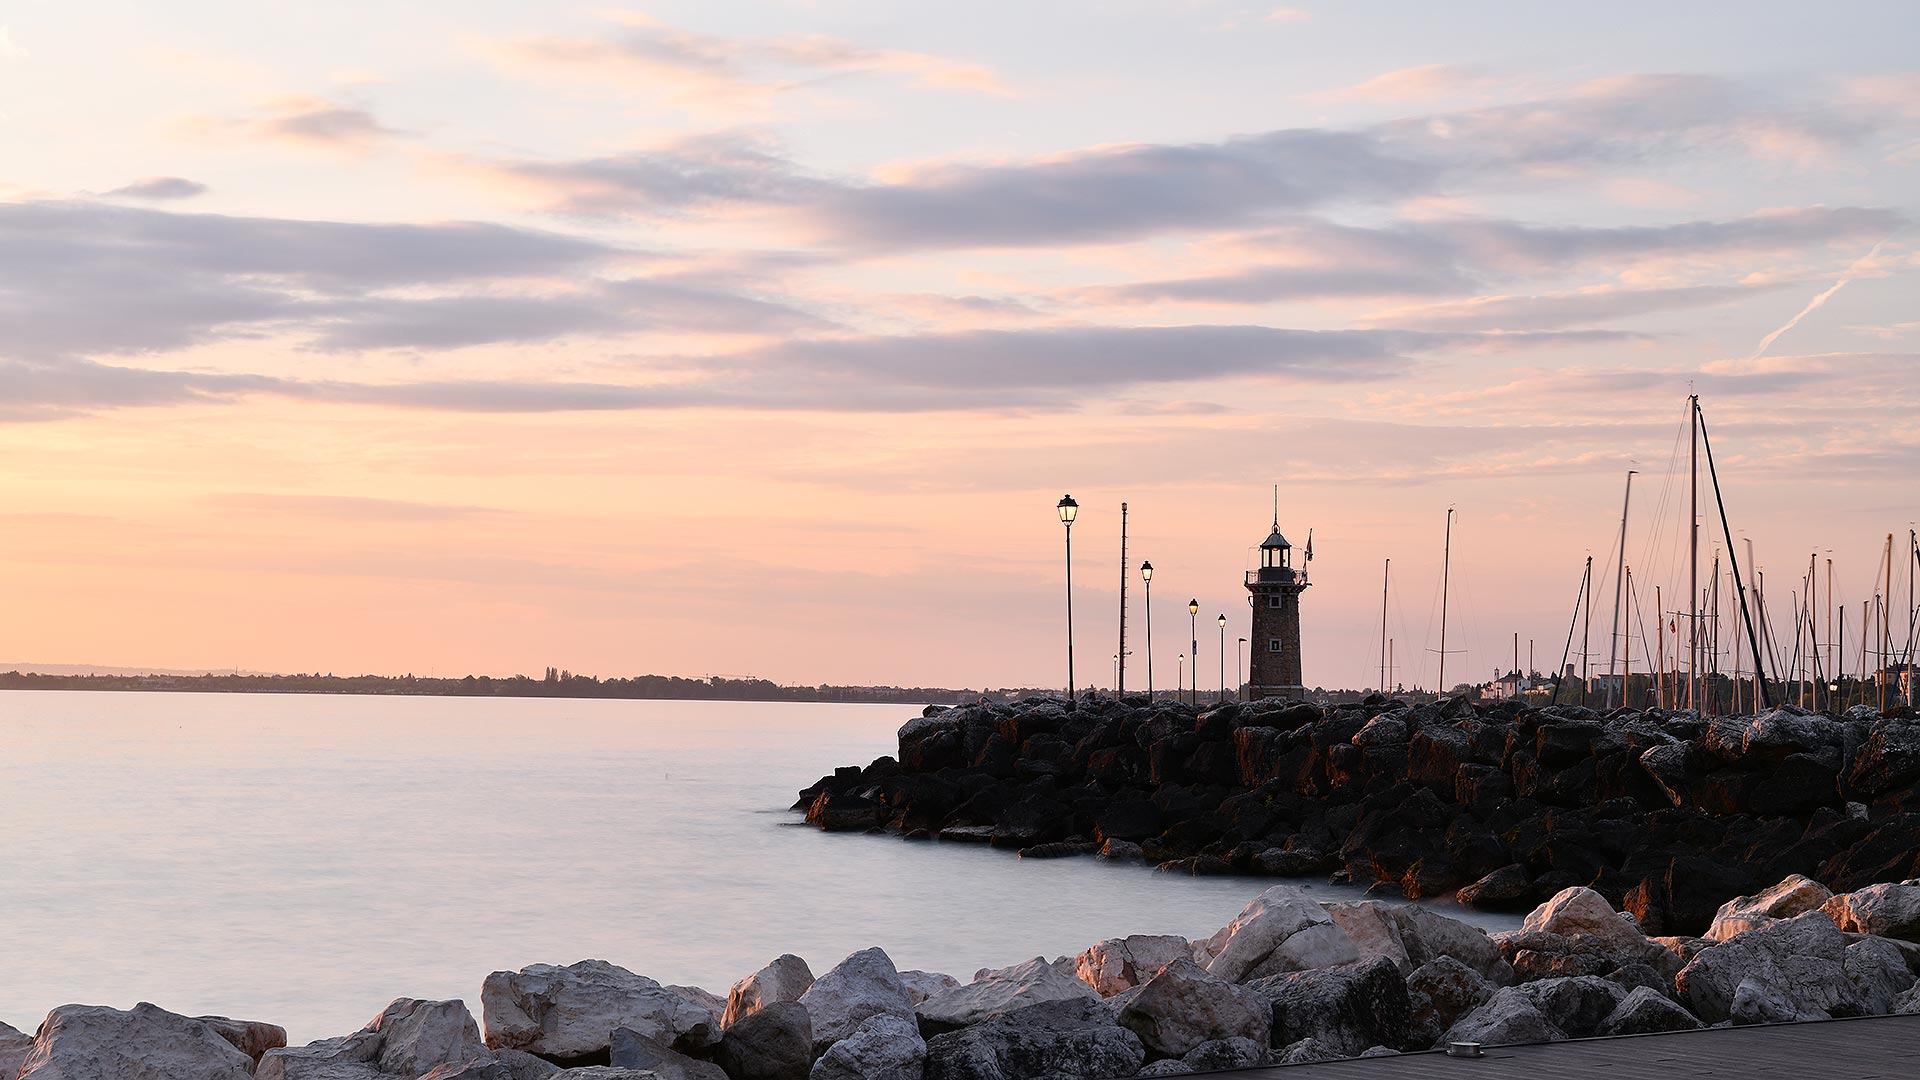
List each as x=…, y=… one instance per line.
x=1384, y=574
x=1886, y=628
x=1693, y=555
x=1120, y=658
x=1239, y=663
x=1193, y=647
x=1660, y=649
x=1619, y=585
x=1146, y=577
x=1446, y=568
x=1586, y=637
x=1813, y=625
x=1069, y=509
x=1223, y=658
x=1832, y=602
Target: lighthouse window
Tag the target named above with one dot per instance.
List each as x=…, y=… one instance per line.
x=1273, y=644
x=1273, y=601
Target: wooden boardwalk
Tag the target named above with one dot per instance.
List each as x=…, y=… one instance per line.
x=1866, y=1048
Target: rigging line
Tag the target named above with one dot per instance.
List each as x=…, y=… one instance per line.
x=1633, y=591
x=1733, y=559
x=1560, y=672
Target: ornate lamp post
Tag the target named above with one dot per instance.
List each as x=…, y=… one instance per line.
x=1193, y=643
x=1146, y=578
x=1068, y=511
x=1223, y=658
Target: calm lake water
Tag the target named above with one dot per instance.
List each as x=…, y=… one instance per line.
x=306, y=859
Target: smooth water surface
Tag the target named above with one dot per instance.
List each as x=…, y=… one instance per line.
x=306, y=859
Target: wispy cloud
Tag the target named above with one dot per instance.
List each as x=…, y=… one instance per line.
x=1597, y=304
x=87, y=279
x=160, y=188
x=711, y=73
x=306, y=123
x=1111, y=194
x=342, y=507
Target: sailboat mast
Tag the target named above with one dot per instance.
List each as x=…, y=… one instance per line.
x=1713, y=640
x=1446, y=570
x=1586, y=635
x=1120, y=658
x=1813, y=626
x=1385, y=574
x=1693, y=557
x=1619, y=584
x=1660, y=646
x=1886, y=624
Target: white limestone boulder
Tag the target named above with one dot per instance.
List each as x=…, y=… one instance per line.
x=775, y=1043
x=1279, y=931
x=1885, y=910
x=1792, y=896
x=1795, y=968
x=922, y=985
x=1580, y=912
x=409, y=1038
x=569, y=1013
x=1184, y=1006
x=251, y=1037
x=783, y=979
x=1508, y=1018
x=1119, y=964
x=1000, y=991
x=864, y=985
x=883, y=1047
x=94, y=1042
x=14, y=1045
x=1370, y=925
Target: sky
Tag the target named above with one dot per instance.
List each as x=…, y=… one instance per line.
x=762, y=338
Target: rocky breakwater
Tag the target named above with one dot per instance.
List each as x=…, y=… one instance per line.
x=1668, y=815
x=1288, y=980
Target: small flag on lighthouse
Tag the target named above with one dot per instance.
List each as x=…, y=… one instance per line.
x=1309, y=545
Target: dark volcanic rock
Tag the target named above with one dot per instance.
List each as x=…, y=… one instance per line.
x=1664, y=814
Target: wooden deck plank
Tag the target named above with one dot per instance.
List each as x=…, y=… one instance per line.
x=1867, y=1048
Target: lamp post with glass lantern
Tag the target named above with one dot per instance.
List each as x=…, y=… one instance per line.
x=1068, y=511
x=1146, y=579
x=1223, y=658
x=1193, y=643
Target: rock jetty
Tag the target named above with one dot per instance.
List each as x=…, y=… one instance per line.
x=1666, y=815
x=1288, y=980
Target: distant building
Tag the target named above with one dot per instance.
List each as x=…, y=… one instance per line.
x=1274, y=589
x=1512, y=685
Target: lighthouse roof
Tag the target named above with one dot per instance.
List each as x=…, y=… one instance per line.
x=1275, y=540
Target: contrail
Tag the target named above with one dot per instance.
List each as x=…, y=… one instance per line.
x=1767, y=342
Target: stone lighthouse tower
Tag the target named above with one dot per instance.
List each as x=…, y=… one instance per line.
x=1275, y=587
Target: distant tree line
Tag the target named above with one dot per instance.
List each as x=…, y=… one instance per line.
x=555, y=683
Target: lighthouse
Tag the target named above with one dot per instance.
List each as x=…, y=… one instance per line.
x=1274, y=589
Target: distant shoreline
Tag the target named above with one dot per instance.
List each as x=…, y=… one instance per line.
x=556, y=685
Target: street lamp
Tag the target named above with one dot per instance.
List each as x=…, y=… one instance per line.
x=1239, y=663
x=1179, y=677
x=1223, y=658
x=1193, y=642
x=1068, y=511
x=1146, y=577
